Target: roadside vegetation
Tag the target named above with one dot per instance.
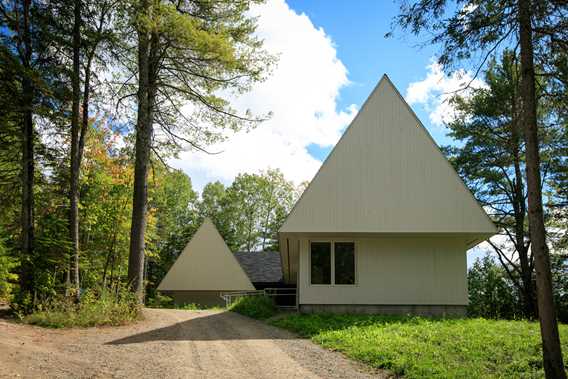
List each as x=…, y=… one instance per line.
x=418, y=347
x=97, y=308
x=163, y=301
x=258, y=307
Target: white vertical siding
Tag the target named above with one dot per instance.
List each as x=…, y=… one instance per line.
x=386, y=175
x=206, y=264
x=397, y=271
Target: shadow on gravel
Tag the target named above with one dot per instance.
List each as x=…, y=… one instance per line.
x=210, y=327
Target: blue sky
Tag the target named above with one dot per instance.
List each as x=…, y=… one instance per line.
x=358, y=29
x=331, y=54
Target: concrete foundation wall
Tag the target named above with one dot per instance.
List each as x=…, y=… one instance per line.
x=388, y=309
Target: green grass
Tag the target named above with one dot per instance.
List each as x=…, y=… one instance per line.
x=431, y=348
x=258, y=307
x=96, y=309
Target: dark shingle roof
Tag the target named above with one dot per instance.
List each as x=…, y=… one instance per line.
x=261, y=266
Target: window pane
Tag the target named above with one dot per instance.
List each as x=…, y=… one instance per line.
x=344, y=263
x=321, y=262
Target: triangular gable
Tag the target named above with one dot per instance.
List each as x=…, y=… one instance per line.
x=387, y=175
x=206, y=264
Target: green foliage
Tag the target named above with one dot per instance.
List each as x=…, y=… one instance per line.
x=259, y=307
x=559, y=266
x=416, y=347
x=97, y=307
x=248, y=215
x=207, y=51
x=8, y=277
x=491, y=160
x=172, y=221
x=160, y=301
x=250, y=211
x=491, y=293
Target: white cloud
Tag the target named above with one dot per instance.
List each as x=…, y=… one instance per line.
x=302, y=94
x=435, y=91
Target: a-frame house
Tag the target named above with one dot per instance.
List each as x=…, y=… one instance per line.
x=205, y=269
x=385, y=224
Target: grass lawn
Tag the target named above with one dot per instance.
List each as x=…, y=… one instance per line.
x=431, y=348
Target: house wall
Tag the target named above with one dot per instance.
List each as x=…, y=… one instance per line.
x=394, y=271
x=206, y=264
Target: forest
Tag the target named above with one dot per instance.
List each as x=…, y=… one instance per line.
x=96, y=97
x=76, y=168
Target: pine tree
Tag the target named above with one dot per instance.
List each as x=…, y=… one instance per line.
x=539, y=29
x=187, y=52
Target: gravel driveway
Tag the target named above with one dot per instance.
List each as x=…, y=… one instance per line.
x=170, y=344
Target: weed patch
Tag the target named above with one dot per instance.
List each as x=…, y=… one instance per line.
x=97, y=307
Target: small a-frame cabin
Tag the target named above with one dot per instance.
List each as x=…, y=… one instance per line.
x=205, y=268
x=385, y=224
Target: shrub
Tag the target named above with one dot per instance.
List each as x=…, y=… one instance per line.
x=97, y=307
x=491, y=292
x=160, y=301
x=258, y=307
x=8, y=277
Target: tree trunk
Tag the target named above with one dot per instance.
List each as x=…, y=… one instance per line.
x=519, y=209
x=552, y=355
x=26, y=268
x=85, y=116
x=74, y=174
x=143, y=146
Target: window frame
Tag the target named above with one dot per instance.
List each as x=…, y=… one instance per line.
x=332, y=252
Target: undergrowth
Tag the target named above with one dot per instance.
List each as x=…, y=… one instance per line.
x=258, y=307
x=96, y=308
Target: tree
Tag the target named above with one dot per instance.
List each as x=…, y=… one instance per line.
x=279, y=196
x=187, y=52
x=144, y=125
x=27, y=52
x=536, y=26
x=491, y=161
x=172, y=203
x=553, y=365
x=87, y=37
x=249, y=213
x=214, y=205
x=24, y=47
x=490, y=292
x=75, y=117
x=106, y=199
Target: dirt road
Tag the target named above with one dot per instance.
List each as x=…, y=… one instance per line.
x=169, y=344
